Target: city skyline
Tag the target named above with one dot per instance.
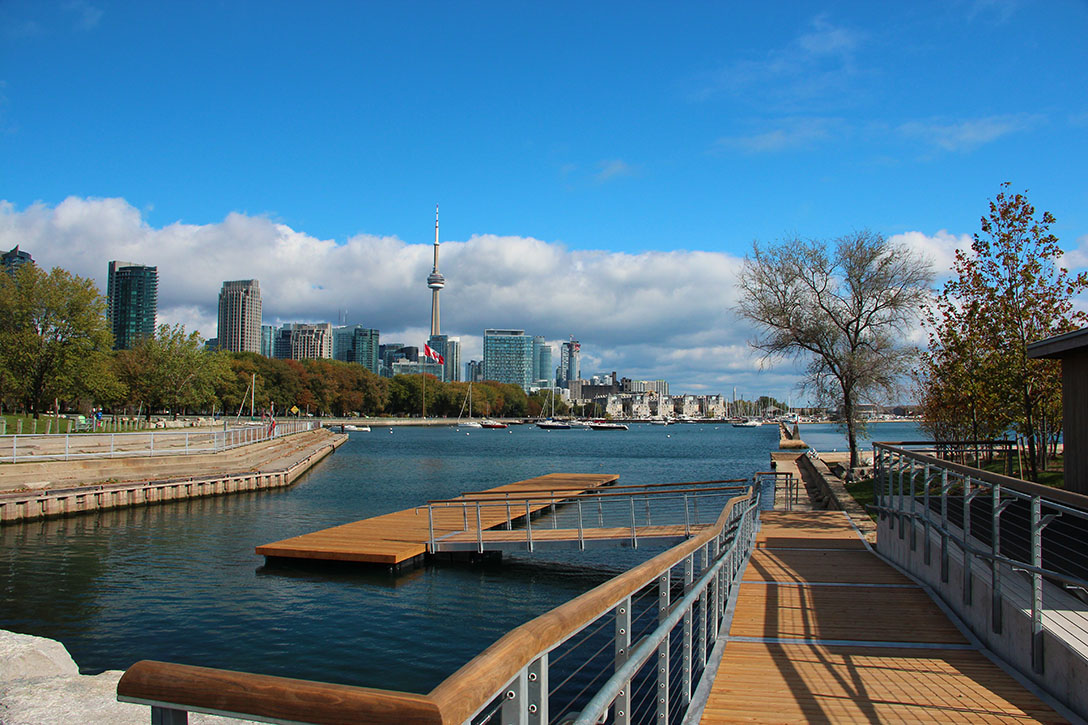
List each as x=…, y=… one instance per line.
x=609, y=190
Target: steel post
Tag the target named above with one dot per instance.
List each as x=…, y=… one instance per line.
x=168, y=716
x=662, y=698
x=925, y=520
x=969, y=494
x=913, y=509
x=622, y=703
x=515, y=705
x=538, y=691
x=945, y=485
x=689, y=577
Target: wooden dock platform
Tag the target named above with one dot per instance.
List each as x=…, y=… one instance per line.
x=824, y=631
x=396, y=538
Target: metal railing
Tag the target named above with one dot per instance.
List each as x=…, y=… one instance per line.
x=996, y=522
x=632, y=650
x=26, y=448
x=617, y=515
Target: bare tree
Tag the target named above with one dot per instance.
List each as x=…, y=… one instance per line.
x=843, y=307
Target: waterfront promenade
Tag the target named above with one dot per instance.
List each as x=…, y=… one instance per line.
x=825, y=631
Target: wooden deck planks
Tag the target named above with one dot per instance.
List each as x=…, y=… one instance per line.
x=397, y=537
x=809, y=581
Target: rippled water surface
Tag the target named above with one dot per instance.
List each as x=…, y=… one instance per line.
x=181, y=582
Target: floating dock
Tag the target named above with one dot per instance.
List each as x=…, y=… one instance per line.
x=396, y=539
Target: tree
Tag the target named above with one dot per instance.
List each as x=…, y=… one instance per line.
x=842, y=307
x=171, y=370
x=53, y=335
x=1009, y=290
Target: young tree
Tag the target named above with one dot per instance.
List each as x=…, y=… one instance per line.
x=53, y=335
x=171, y=370
x=842, y=307
x=1009, y=290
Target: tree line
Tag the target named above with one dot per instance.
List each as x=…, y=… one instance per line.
x=55, y=354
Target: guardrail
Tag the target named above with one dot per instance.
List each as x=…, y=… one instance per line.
x=672, y=508
x=26, y=448
x=635, y=646
x=996, y=522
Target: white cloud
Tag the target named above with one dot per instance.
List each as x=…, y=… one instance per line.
x=939, y=249
x=648, y=315
x=969, y=134
x=1077, y=258
x=613, y=168
x=784, y=135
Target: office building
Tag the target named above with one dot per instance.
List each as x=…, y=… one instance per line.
x=268, y=340
x=474, y=371
x=570, y=363
x=300, y=341
x=132, y=301
x=240, y=316
x=393, y=352
x=357, y=344
x=450, y=350
x=13, y=259
x=508, y=357
x=543, y=374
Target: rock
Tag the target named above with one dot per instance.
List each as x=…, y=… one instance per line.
x=40, y=683
x=26, y=657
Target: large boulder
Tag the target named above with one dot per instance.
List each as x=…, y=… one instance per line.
x=26, y=657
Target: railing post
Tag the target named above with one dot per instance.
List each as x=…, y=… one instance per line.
x=689, y=577
x=913, y=509
x=663, y=587
x=900, y=508
x=480, y=530
x=509, y=522
x=925, y=520
x=430, y=525
x=969, y=494
x=151, y=447
x=581, y=538
x=687, y=517
x=704, y=600
x=528, y=525
x=634, y=534
x=537, y=701
x=622, y=703
x=945, y=485
x=515, y=706
x=1038, y=523
x=998, y=506
x=168, y=716
x=66, y=439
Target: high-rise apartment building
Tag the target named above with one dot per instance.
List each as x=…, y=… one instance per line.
x=240, y=316
x=268, y=340
x=508, y=357
x=299, y=341
x=543, y=373
x=450, y=350
x=474, y=371
x=132, y=301
x=357, y=344
x=570, y=363
x=13, y=259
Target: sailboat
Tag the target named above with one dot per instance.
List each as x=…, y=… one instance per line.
x=468, y=422
x=551, y=423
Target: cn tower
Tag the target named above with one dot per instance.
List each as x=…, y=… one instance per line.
x=435, y=280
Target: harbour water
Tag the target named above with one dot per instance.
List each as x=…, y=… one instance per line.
x=180, y=582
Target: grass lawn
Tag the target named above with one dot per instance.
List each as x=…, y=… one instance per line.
x=1053, y=476
x=12, y=424
x=862, y=491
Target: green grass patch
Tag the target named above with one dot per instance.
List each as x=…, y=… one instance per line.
x=1053, y=476
x=12, y=423
x=862, y=491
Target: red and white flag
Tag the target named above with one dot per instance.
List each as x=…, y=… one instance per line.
x=430, y=352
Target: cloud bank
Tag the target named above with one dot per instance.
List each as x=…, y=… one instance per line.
x=648, y=315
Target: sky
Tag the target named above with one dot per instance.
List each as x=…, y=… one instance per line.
x=602, y=169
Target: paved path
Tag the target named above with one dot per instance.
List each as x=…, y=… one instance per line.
x=825, y=631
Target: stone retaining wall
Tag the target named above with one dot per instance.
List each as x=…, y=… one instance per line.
x=46, y=503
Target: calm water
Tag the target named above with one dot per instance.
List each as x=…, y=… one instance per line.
x=180, y=582
x=828, y=437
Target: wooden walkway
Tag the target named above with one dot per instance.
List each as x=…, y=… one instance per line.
x=824, y=631
x=398, y=537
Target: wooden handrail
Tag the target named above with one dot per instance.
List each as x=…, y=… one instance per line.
x=453, y=701
x=464, y=692
x=555, y=489
x=164, y=683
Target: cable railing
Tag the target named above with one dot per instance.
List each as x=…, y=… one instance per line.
x=27, y=448
x=632, y=650
x=998, y=524
x=618, y=515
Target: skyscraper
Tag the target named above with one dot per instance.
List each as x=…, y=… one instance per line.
x=132, y=300
x=508, y=357
x=542, y=363
x=240, y=316
x=435, y=281
x=357, y=344
x=13, y=259
x=300, y=341
x=570, y=362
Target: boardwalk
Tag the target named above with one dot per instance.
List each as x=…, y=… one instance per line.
x=824, y=631
x=399, y=537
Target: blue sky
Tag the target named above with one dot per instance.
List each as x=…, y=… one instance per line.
x=604, y=145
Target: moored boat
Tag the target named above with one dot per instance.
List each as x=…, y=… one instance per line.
x=606, y=425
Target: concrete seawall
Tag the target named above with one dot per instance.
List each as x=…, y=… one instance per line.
x=276, y=469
